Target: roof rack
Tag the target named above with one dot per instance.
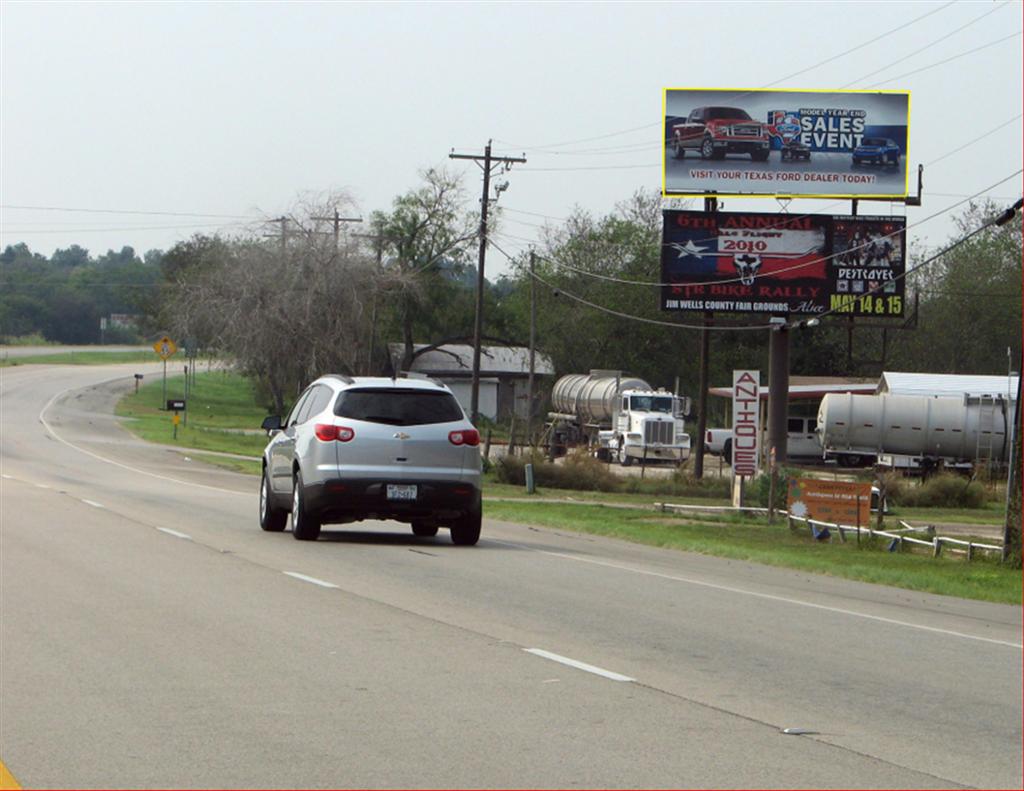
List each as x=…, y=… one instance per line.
x=343, y=377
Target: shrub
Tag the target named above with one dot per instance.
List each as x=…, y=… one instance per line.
x=579, y=471
x=761, y=487
x=946, y=490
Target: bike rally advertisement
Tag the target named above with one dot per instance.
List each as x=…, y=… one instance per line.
x=785, y=143
x=761, y=263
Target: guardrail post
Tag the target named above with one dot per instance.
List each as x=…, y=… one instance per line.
x=842, y=534
x=970, y=551
x=530, y=489
x=937, y=550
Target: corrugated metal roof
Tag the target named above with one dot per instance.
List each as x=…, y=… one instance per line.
x=946, y=385
x=458, y=359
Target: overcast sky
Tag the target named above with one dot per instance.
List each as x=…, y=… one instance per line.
x=235, y=109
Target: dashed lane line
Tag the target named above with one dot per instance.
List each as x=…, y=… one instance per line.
x=175, y=533
x=597, y=671
x=313, y=580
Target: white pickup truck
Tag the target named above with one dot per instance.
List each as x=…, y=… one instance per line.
x=802, y=441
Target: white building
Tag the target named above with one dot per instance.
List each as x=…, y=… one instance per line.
x=504, y=373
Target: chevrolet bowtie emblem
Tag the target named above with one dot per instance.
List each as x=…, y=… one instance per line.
x=401, y=435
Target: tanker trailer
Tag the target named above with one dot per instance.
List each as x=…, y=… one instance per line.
x=953, y=430
x=618, y=416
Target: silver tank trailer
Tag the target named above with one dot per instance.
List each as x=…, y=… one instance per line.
x=913, y=425
x=592, y=397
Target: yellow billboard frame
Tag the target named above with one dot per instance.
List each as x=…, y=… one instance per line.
x=817, y=196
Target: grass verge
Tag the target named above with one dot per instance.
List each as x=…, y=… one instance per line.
x=80, y=358
x=221, y=406
x=752, y=540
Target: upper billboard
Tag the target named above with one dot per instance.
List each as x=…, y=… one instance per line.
x=810, y=144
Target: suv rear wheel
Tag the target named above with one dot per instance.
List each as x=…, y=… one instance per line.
x=272, y=519
x=304, y=526
x=466, y=531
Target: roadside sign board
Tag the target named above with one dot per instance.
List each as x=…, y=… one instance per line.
x=785, y=143
x=763, y=263
x=175, y=404
x=746, y=419
x=165, y=347
x=830, y=501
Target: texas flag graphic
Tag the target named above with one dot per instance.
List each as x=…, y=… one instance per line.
x=745, y=248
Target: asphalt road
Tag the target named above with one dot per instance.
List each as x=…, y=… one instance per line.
x=152, y=635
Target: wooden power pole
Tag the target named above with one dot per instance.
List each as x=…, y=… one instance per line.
x=487, y=162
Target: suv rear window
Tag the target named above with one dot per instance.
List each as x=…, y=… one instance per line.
x=397, y=407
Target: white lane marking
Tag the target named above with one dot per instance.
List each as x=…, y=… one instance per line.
x=314, y=580
x=41, y=486
x=598, y=671
x=767, y=596
x=174, y=533
x=71, y=445
x=93, y=503
x=7, y=477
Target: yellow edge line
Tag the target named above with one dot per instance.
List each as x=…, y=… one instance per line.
x=7, y=780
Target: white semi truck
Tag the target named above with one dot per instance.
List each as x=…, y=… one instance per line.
x=619, y=417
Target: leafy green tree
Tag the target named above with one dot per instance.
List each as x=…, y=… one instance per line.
x=423, y=243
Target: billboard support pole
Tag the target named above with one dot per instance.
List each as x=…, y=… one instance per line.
x=778, y=388
x=711, y=206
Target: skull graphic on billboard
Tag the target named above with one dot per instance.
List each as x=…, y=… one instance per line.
x=747, y=265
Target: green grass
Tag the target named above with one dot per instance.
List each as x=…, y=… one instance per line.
x=752, y=540
x=494, y=489
x=220, y=404
x=81, y=358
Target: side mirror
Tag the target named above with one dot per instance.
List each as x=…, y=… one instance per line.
x=271, y=423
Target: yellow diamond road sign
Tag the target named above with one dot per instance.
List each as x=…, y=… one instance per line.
x=165, y=347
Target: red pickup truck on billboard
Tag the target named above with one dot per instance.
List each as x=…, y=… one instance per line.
x=717, y=131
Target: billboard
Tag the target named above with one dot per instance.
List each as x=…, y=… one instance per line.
x=760, y=263
x=820, y=144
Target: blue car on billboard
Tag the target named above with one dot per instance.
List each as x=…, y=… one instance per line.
x=876, y=151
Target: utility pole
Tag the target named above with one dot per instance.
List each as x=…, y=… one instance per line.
x=489, y=163
x=378, y=243
x=337, y=220
x=284, y=231
x=533, y=340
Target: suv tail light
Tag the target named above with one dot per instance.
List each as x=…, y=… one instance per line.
x=466, y=436
x=325, y=432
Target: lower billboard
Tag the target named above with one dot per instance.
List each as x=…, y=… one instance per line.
x=751, y=262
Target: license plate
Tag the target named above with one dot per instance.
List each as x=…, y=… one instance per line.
x=396, y=492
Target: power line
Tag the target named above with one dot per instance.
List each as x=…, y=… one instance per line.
x=975, y=140
x=131, y=211
x=928, y=45
x=22, y=232
x=947, y=60
x=769, y=85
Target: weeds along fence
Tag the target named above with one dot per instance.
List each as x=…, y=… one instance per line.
x=899, y=540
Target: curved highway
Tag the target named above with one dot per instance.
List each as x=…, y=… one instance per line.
x=152, y=636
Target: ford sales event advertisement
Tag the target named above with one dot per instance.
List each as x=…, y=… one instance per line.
x=785, y=143
x=760, y=263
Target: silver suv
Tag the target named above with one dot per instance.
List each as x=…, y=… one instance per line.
x=372, y=448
